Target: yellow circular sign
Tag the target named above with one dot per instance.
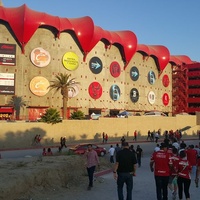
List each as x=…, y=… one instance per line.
x=39, y=86
x=70, y=61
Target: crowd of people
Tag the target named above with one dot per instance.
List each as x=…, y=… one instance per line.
x=174, y=165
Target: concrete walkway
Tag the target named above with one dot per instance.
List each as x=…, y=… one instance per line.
x=105, y=188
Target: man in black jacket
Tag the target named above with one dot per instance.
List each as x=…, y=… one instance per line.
x=124, y=170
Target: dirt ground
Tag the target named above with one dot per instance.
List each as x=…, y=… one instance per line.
x=37, y=178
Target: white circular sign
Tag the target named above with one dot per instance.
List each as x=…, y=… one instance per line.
x=151, y=97
x=73, y=92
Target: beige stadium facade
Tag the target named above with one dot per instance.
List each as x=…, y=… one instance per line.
x=25, y=71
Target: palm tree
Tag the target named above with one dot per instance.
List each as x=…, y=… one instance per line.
x=17, y=102
x=63, y=83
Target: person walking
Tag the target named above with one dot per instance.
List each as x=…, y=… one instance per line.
x=148, y=135
x=173, y=173
x=160, y=165
x=111, y=152
x=192, y=155
x=92, y=160
x=139, y=154
x=124, y=170
x=157, y=148
x=156, y=137
x=117, y=149
x=103, y=137
x=106, y=138
x=135, y=135
x=122, y=140
x=184, y=179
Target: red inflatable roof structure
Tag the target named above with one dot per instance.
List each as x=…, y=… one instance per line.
x=160, y=53
x=25, y=21
x=87, y=34
x=180, y=60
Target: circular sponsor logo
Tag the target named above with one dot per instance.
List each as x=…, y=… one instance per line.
x=40, y=57
x=165, y=80
x=72, y=92
x=115, y=92
x=134, y=73
x=134, y=95
x=151, y=77
x=70, y=61
x=95, y=65
x=95, y=90
x=115, y=69
x=165, y=99
x=151, y=97
x=39, y=86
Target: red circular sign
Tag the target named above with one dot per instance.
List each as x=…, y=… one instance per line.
x=165, y=80
x=115, y=69
x=165, y=99
x=95, y=90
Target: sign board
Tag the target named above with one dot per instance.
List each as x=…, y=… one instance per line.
x=7, y=54
x=7, y=83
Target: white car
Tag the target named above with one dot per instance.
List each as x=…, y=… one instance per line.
x=155, y=113
x=95, y=116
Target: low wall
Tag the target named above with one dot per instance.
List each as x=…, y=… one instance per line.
x=21, y=134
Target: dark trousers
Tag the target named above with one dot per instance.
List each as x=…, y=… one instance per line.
x=162, y=187
x=139, y=161
x=112, y=159
x=126, y=178
x=156, y=139
x=183, y=182
x=90, y=172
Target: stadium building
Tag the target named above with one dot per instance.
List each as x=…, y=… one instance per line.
x=116, y=73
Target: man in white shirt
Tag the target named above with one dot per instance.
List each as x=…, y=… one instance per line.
x=157, y=148
x=111, y=151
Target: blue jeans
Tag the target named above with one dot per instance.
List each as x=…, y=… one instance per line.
x=90, y=172
x=162, y=187
x=126, y=178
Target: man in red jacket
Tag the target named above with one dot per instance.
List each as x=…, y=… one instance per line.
x=184, y=179
x=160, y=163
x=192, y=158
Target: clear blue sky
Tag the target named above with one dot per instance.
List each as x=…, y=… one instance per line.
x=172, y=23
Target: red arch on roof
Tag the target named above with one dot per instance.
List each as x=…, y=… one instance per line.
x=129, y=43
x=84, y=30
x=160, y=53
x=180, y=59
x=175, y=61
x=142, y=48
x=88, y=35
